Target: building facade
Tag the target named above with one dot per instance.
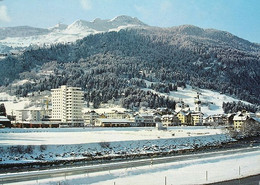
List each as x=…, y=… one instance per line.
x=170, y=120
x=67, y=105
x=106, y=122
x=196, y=118
x=145, y=120
x=184, y=117
x=90, y=118
x=32, y=114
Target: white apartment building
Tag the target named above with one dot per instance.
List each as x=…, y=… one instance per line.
x=32, y=114
x=67, y=104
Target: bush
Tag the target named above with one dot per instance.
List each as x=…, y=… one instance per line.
x=43, y=148
x=104, y=144
x=29, y=149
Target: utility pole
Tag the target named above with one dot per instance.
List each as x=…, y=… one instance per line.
x=206, y=175
x=165, y=180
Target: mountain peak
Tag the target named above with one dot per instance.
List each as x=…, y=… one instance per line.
x=190, y=29
x=59, y=26
x=127, y=20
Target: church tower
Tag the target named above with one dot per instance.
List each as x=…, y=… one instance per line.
x=197, y=103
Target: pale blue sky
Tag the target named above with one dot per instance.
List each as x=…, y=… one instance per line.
x=239, y=17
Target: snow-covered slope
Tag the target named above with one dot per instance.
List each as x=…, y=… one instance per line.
x=211, y=101
x=28, y=36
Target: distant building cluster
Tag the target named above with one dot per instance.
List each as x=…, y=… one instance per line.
x=66, y=110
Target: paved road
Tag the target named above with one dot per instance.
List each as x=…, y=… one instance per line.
x=34, y=175
x=252, y=180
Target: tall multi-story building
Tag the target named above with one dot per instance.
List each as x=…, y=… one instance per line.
x=67, y=104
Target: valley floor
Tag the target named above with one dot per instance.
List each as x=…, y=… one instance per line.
x=46, y=145
x=200, y=170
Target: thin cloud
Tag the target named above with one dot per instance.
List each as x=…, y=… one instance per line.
x=4, y=17
x=86, y=4
x=142, y=10
x=165, y=6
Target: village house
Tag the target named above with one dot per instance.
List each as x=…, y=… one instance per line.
x=90, y=118
x=32, y=114
x=239, y=119
x=114, y=114
x=170, y=120
x=218, y=119
x=145, y=120
x=184, y=117
x=196, y=118
x=181, y=106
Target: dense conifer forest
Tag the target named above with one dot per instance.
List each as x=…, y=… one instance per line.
x=115, y=65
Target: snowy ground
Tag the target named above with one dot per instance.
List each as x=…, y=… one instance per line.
x=12, y=103
x=220, y=168
x=106, y=109
x=31, y=145
x=49, y=136
x=211, y=100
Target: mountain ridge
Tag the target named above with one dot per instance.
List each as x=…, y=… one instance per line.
x=26, y=36
x=187, y=54
x=21, y=37
x=123, y=57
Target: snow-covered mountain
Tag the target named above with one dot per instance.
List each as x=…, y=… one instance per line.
x=24, y=36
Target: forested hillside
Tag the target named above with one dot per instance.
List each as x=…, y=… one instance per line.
x=107, y=65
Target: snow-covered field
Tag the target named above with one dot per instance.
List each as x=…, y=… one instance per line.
x=220, y=168
x=30, y=145
x=50, y=136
